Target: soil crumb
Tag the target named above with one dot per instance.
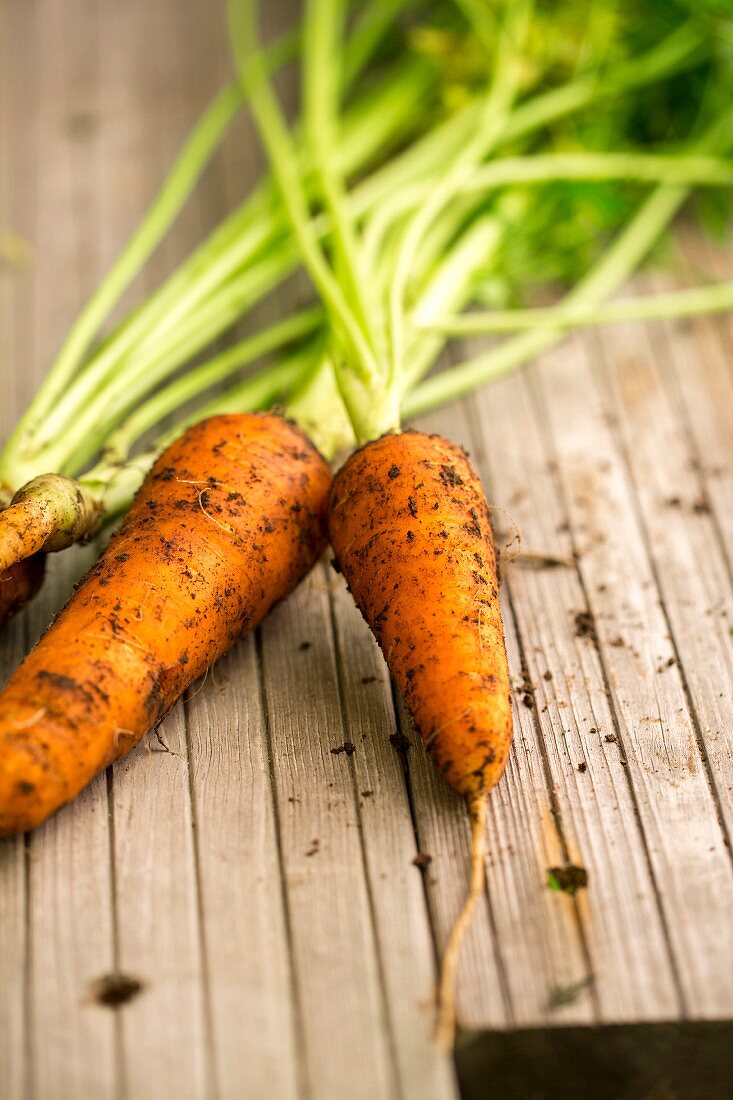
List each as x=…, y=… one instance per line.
x=399, y=743
x=422, y=860
x=348, y=747
x=314, y=848
x=585, y=625
x=114, y=990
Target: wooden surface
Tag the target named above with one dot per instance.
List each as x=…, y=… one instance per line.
x=261, y=887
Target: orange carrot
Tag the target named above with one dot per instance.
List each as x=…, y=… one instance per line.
x=19, y=584
x=410, y=527
x=228, y=521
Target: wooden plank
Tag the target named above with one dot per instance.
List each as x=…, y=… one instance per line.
x=701, y=380
x=656, y=732
x=244, y=929
x=396, y=891
x=164, y=1040
x=335, y=956
x=680, y=532
x=534, y=931
x=70, y=1041
x=15, y=224
x=594, y=808
x=13, y=953
x=167, y=1030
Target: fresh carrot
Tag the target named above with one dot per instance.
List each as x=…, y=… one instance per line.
x=230, y=518
x=19, y=584
x=410, y=527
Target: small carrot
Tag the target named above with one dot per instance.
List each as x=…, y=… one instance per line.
x=19, y=584
x=409, y=524
x=229, y=519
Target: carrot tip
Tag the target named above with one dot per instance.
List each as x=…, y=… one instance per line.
x=446, y=1009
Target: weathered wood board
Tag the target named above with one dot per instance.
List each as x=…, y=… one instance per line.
x=258, y=884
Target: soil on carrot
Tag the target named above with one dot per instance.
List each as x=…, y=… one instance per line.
x=314, y=848
x=567, y=879
x=115, y=990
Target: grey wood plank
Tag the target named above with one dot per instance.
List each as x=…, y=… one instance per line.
x=629, y=959
x=690, y=569
x=700, y=357
x=684, y=840
x=70, y=1041
x=395, y=882
x=13, y=953
x=164, y=1040
x=167, y=1030
x=245, y=935
x=15, y=224
x=243, y=921
x=335, y=955
x=535, y=931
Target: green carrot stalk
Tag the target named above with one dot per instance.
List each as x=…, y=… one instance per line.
x=691, y=302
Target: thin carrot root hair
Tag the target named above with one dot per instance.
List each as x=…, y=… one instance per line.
x=445, y=1029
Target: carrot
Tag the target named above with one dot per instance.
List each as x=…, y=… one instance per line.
x=229, y=519
x=409, y=524
x=19, y=584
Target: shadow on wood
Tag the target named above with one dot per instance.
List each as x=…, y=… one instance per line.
x=666, y=1061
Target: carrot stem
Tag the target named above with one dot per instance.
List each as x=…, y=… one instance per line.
x=691, y=302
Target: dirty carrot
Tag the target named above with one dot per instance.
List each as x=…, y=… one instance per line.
x=409, y=524
x=230, y=518
x=19, y=584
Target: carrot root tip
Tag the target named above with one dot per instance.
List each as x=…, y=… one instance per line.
x=446, y=1011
